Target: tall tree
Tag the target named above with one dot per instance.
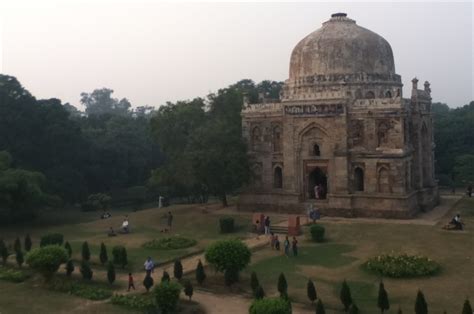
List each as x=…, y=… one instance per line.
x=311, y=291
x=421, y=307
x=382, y=301
x=345, y=295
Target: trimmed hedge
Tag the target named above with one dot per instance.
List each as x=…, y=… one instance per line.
x=135, y=302
x=12, y=275
x=227, y=225
x=317, y=233
x=170, y=243
x=47, y=259
x=402, y=266
x=270, y=306
x=52, y=239
x=81, y=290
x=166, y=296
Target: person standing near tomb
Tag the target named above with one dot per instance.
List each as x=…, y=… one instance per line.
x=294, y=246
x=267, y=225
x=286, y=244
x=277, y=243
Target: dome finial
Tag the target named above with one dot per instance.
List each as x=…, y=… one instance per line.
x=340, y=14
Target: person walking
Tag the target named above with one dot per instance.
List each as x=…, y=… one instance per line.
x=286, y=244
x=294, y=246
x=267, y=225
x=277, y=243
x=149, y=266
x=130, y=282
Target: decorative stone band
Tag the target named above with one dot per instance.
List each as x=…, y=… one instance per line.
x=315, y=110
x=346, y=78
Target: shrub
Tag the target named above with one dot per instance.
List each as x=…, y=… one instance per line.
x=270, y=306
x=3, y=251
x=466, y=308
x=86, y=252
x=119, y=254
x=200, y=273
x=47, y=259
x=103, y=254
x=69, y=268
x=110, y=272
x=402, y=266
x=345, y=295
x=254, y=284
x=421, y=307
x=311, y=291
x=166, y=296
x=28, y=243
x=86, y=270
x=19, y=258
x=170, y=243
x=188, y=289
x=12, y=275
x=17, y=245
x=52, y=239
x=227, y=224
x=320, y=307
x=231, y=276
x=259, y=293
x=148, y=282
x=68, y=248
x=228, y=254
x=317, y=233
x=178, y=270
x=353, y=309
x=282, y=286
x=96, y=202
x=165, y=277
x=81, y=290
x=382, y=301
x=136, y=302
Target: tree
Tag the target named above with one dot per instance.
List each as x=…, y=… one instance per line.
x=68, y=248
x=345, y=295
x=311, y=291
x=69, y=267
x=320, y=307
x=178, y=270
x=165, y=277
x=270, y=306
x=166, y=296
x=3, y=251
x=17, y=245
x=19, y=258
x=110, y=272
x=282, y=286
x=148, y=282
x=46, y=260
x=259, y=293
x=200, y=273
x=467, y=309
x=353, y=309
x=119, y=254
x=188, y=289
x=228, y=256
x=421, y=307
x=231, y=276
x=86, y=270
x=86, y=253
x=382, y=302
x=103, y=254
x=100, y=102
x=28, y=243
x=254, y=284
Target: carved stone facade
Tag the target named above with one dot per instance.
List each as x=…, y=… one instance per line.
x=342, y=138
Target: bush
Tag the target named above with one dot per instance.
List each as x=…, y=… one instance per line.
x=97, y=201
x=259, y=293
x=270, y=306
x=382, y=300
x=86, y=252
x=228, y=254
x=227, y=224
x=421, y=307
x=28, y=243
x=200, y=273
x=165, y=277
x=110, y=273
x=148, y=282
x=166, y=296
x=402, y=266
x=170, y=243
x=135, y=302
x=3, y=251
x=19, y=258
x=103, y=254
x=231, y=276
x=178, y=270
x=320, y=307
x=12, y=275
x=119, y=254
x=80, y=290
x=317, y=233
x=282, y=286
x=353, y=309
x=17, y=245
x=345, y=296
x=311, y=291
x=52, y=239
x=47, y=259
x=69, y=268
x=188, y=289
x=68, y=248
x=86, y=270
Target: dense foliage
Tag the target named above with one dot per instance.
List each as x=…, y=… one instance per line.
x=170, y=243
x=167, y=296
x=317, y=233
x=270, y=306
x=52, y=239
x=402, y=265
x=136, y=302
x=119, y=254
x=12, y=275
x=85, y=291
x=47, y=259
x=228, y=254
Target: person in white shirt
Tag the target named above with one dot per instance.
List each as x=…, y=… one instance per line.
x=149, y=265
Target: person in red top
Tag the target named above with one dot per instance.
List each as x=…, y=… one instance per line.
x=130, y=282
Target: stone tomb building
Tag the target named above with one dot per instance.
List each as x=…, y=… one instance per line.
x=342, y=137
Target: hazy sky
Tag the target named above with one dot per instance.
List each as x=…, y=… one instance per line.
x=152, y=53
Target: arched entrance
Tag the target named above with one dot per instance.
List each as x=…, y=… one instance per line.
x=317, y=184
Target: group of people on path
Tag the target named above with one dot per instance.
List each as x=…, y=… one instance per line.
x=275, y=244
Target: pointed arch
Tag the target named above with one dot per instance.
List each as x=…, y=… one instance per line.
x=358, y=179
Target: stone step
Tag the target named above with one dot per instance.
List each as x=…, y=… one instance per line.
x=279, y=229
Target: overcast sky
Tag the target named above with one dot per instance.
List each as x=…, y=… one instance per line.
x=151, y=53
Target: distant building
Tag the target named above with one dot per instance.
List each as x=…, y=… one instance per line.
x=342, y=137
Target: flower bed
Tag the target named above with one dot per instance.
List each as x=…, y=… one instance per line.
x=170, y=243
x=402, y=265
x=12, y=275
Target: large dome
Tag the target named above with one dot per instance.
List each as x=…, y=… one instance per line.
x=340, y=46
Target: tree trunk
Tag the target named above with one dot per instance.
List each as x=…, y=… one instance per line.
x=224, y=200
